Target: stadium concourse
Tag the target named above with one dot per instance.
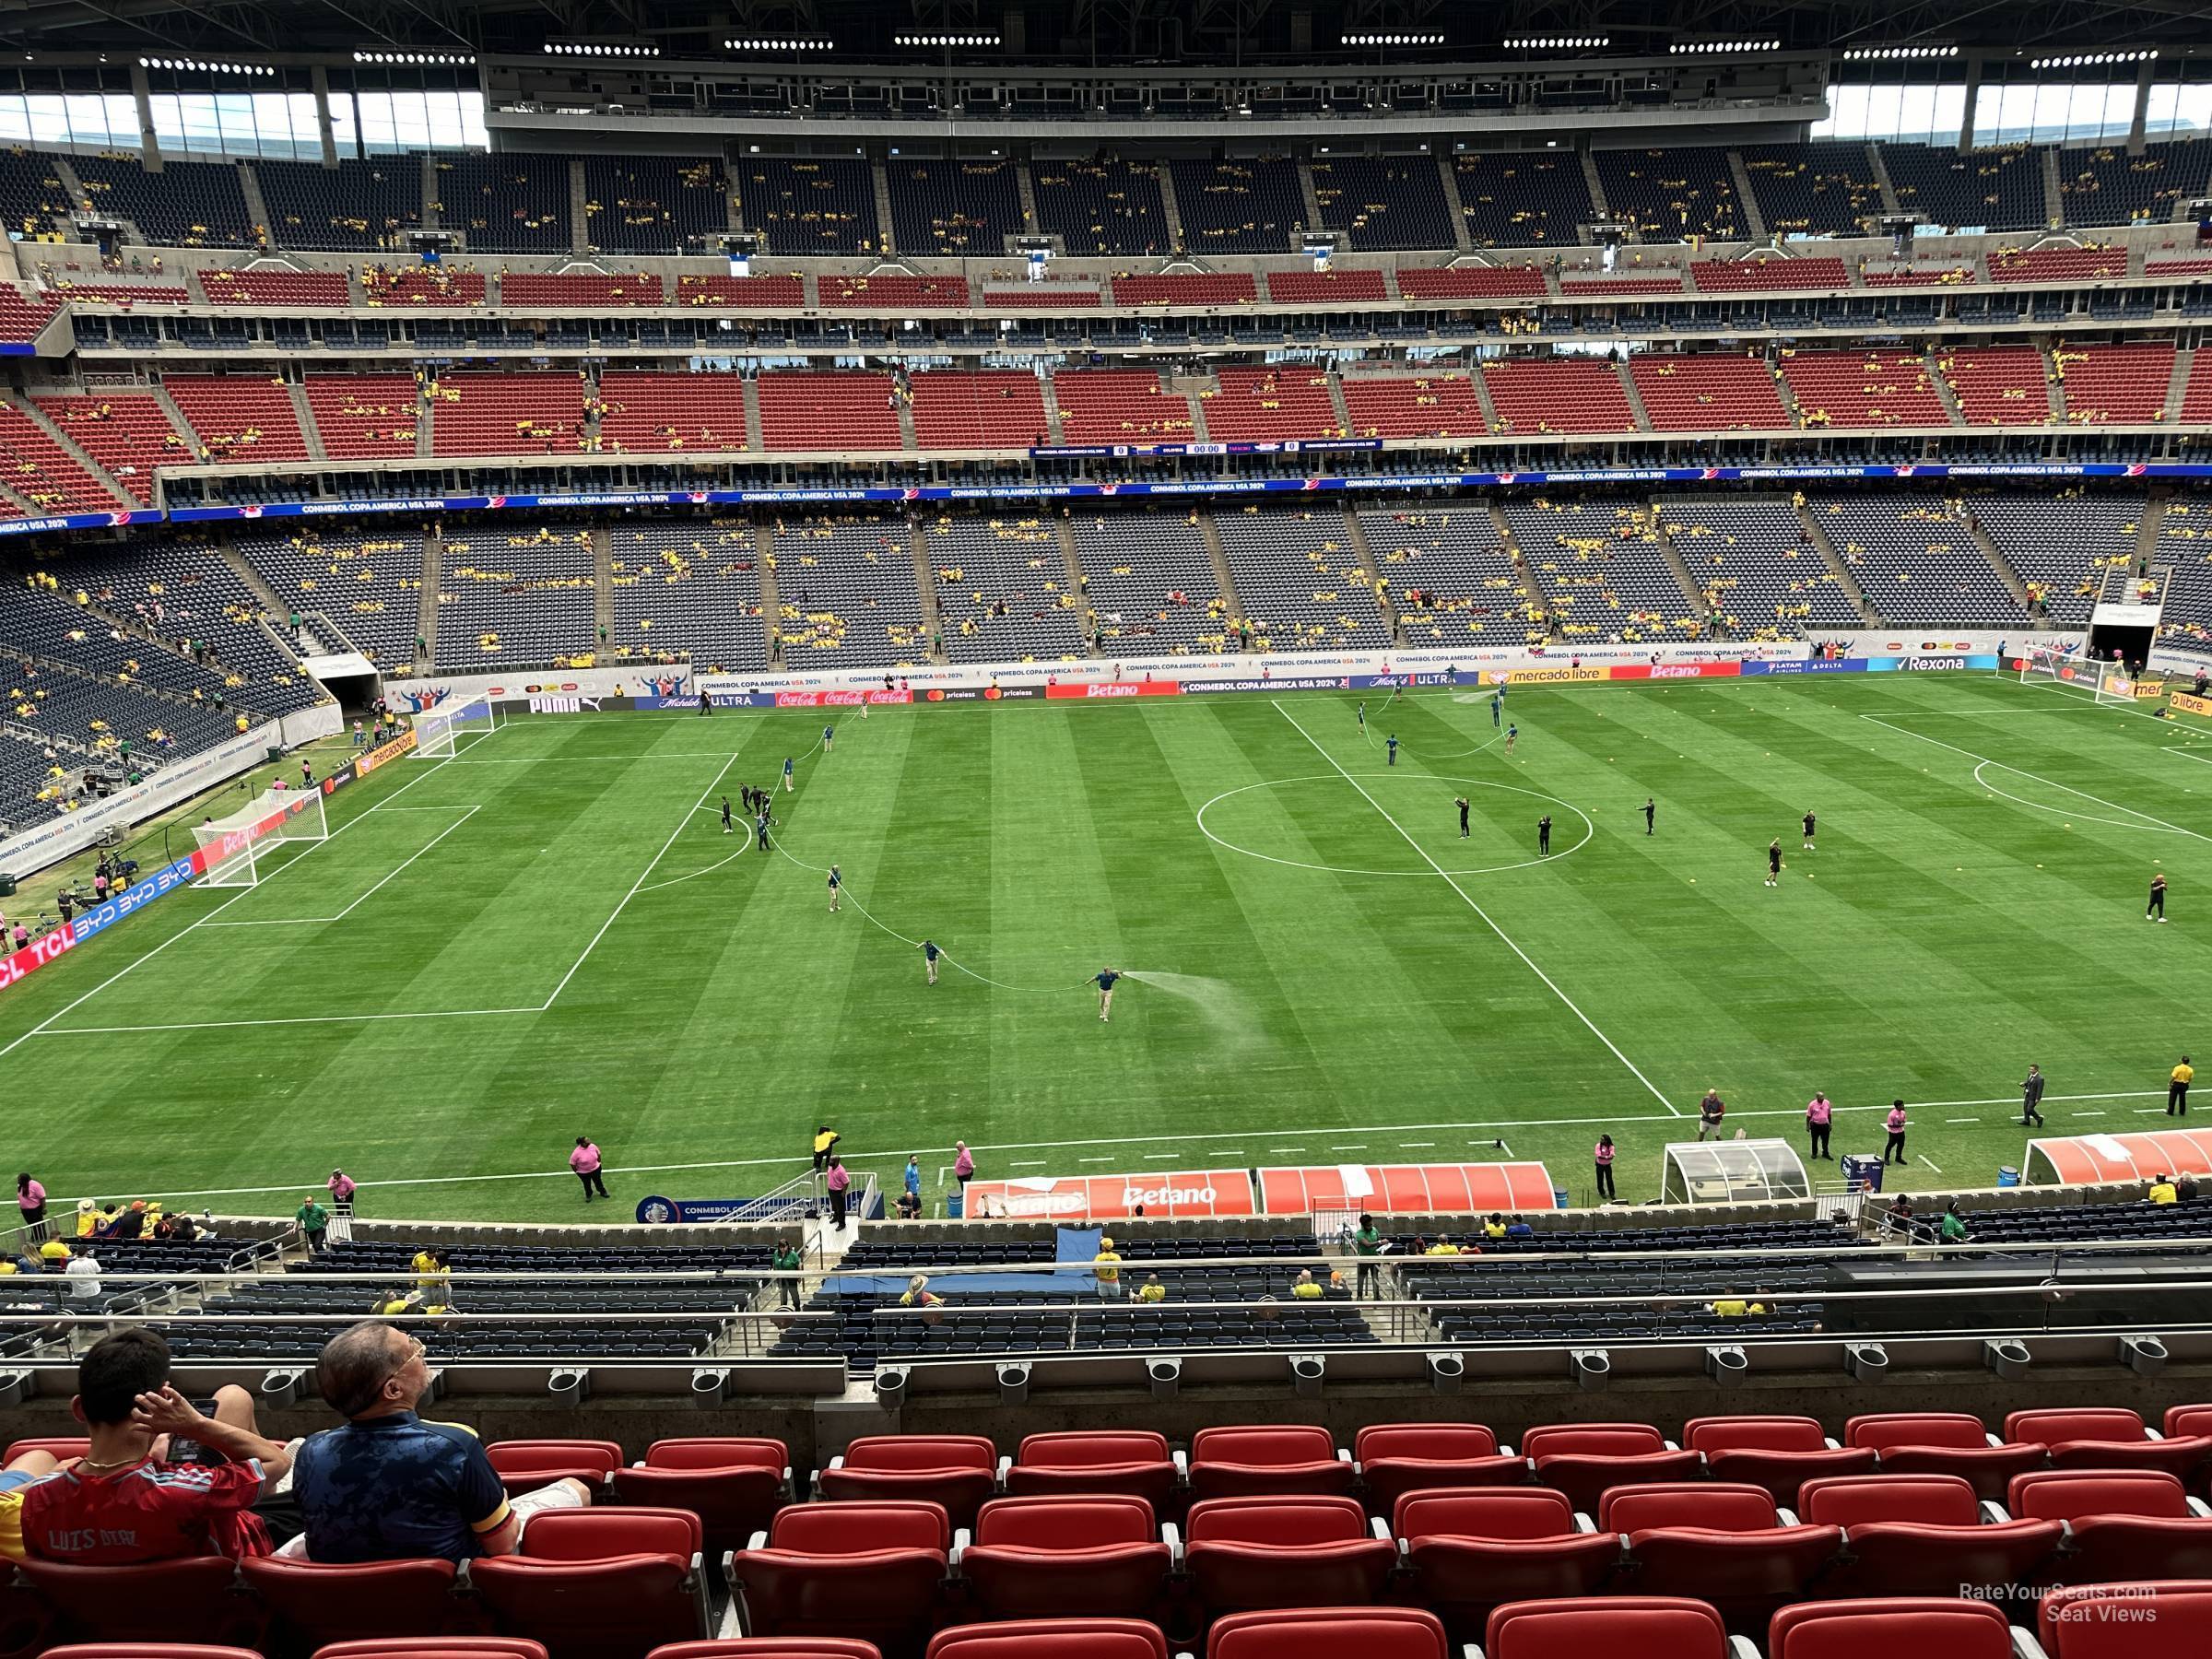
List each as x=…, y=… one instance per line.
x=837, y=833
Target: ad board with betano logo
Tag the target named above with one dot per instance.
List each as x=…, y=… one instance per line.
x=1117, y=1197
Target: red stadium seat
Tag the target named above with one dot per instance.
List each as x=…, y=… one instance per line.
x=1092, y=1558
x=874, y=1571
x=1583, y=1460
x=1303, y=1550
x=525, y=1466
x=1396, y=1458
x=600, y=1583
x=959, y=1471
x=2180, y=1421
x=1649, y=1627
x=1135, y=1463
x=2137, y=1619
x=2122, y=1525
x=2107, y=1437
x=1900, y=1627
x=1052, y=1639
x=734, y=1485
x=193, y=1599
x=1719, y=1543
x=1253, y=1461
x=146, y=1650
x=1921, y=1534
x=768, y=1647
x=1780, y=1453
x=323, y=1603
x=436, y=1647
x=1328, y=1633
x=1474, y=1551
x=1943, y=1442
x=63, y=1447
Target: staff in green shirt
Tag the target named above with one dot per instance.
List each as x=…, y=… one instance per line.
x=1367, y=1244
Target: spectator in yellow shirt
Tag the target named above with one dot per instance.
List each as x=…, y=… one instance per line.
x=2164, y=1191
x=1305, y=1290
x=1494, y=1227
x=1443, y=1247
x=1106, y=1265
x=1152, y=1290
x=2177, y=1089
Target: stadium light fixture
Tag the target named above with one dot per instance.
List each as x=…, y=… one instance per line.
x=459, y=60
x=601, y=48
x=947, y=40
x=1860, y=54
x=1556, y=42
x=1714, y=48
x=196, y=66
x=779, y=44
x=2089, y=60
x=1390, y=39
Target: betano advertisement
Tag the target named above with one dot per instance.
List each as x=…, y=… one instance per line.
x=168, y=877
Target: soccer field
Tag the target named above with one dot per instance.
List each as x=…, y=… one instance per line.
x=549, y=934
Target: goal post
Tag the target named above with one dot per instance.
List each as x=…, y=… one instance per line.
x=233, y=846
x=438, y=730
x=2105, y=682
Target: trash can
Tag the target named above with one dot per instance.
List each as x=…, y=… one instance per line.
x=952, y=1204
x=1863, y=1171
x=8, y=887
x=273, y=752
x=2008, y=1176
x=1559, y=1198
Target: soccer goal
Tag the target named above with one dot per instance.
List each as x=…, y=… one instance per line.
x=2106, y=682
x=235, y=846
x=437, y=729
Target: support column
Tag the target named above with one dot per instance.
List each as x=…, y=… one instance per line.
x=148, y=145
x=319, y=78
x=2142, y=112
x=1973, y=93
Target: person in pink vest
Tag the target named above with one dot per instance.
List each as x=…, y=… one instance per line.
x=1818, y=1115
x=963, y=1164
x=341, y=1193
x=1895, y=1124
x=584, y=1161
x=1604, y=1166
x=837, y=1180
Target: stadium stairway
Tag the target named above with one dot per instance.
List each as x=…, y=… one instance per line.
x=265, y=596
x=1642, y=415
x=2005, y=573
x=1699, y=608
x=28, y=408
x=1078, y=583
x=1598, y=204
x=602, y=590
x=1385, y=597
x=925, y=581
x=764, y=561
x=1837, y=568
x=305, y=415
x=1755, y=220
x=1210, y=534
x=1456, y=205
x=1945, y=394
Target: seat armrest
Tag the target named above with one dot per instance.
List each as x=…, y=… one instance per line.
x=1740, y=1647
x=1183, y=1466
x=1005, y=1463
x=1670, y=1446
x=838, y=1462
x=2151, y=1434
x=1582, y=1524
x=639, y=1464
x=1993, y=1514
x=1343, y=1456
x=2199, y=1508
x=1831, y=1444
x=961, y=1539
x=1784, y=1516
x=1172, y=1535
x=757, y=1541
x=1505, y=1451
x=2025, y=1646
x=1380, y=1528
x=1992, y=1438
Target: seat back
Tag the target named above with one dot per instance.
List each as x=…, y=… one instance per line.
x=1091, y=1449
x=1287, y=1521
x=2180, y=1420
x=549, y=1460
x=1650, y=1627
x=1328, y=1633
x=606, y=1533
x=1052, y=1639
x=436, y=1647
x=1592, y=1440
x=193, y=1599
x=332, y=1602
x=1754, y=1433
x=1094, y=1523
x=2057, y=1426
x=823, y=1529
x=1866, y=1500
x=1917, y=1627
x=1710, y=1506
x=2076, y=1494
x=890, y=1453
x=1428, y=1442
x=146, y=1650
x=63, y=1447
x=1884, y=1430
x=769, y=1647
x=715, y=1452
x=1513, y=1512
x=2157, y=1619
x=1268, y=1446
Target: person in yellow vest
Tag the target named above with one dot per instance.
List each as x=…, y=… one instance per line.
x=2164, y=1191
x=2177, y=1089
x=1305, y=1290
x=1152, y=1290
x=54, y=1250
x=1494, y=1227
x=1443, y=1247
x=825, y=1137
x=1106, y=1265
x=433, y=1274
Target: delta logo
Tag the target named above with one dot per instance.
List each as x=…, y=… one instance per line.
x=252, y=509
x=499, y=501
x=2137, y=469
x=698, y=497
x=1710, y=473
x=1906, y=471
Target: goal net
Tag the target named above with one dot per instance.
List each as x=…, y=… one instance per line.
x=234, y=846
x=2107, y=682
x=437, y=730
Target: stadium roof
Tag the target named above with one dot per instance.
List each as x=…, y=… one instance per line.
x=1194, y=32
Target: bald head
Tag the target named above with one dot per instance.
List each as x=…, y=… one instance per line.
x=361, y=1370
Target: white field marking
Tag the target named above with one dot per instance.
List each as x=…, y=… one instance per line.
x=1484, y=915
x=695, y=875
x=225, y=1025
x=1053, y=1146
x=466, y=813
x=2175, y=748
x=2053, y=782
x=1094, y=1161
x=1923, y=1159
x=713, y=785
x=1961, y=1120
x=1031, y=1163
x=1357, y=1146
x=1408, y=1145
x=2088, y=1115
x=1589, y=829
x=43, y=1028
x=1501, y=1147
x=2140, y=822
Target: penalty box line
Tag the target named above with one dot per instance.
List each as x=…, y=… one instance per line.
x=1526, y=960
x=2051, y=782
x=466, y=813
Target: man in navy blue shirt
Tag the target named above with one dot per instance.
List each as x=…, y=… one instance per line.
x=388, y=1486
